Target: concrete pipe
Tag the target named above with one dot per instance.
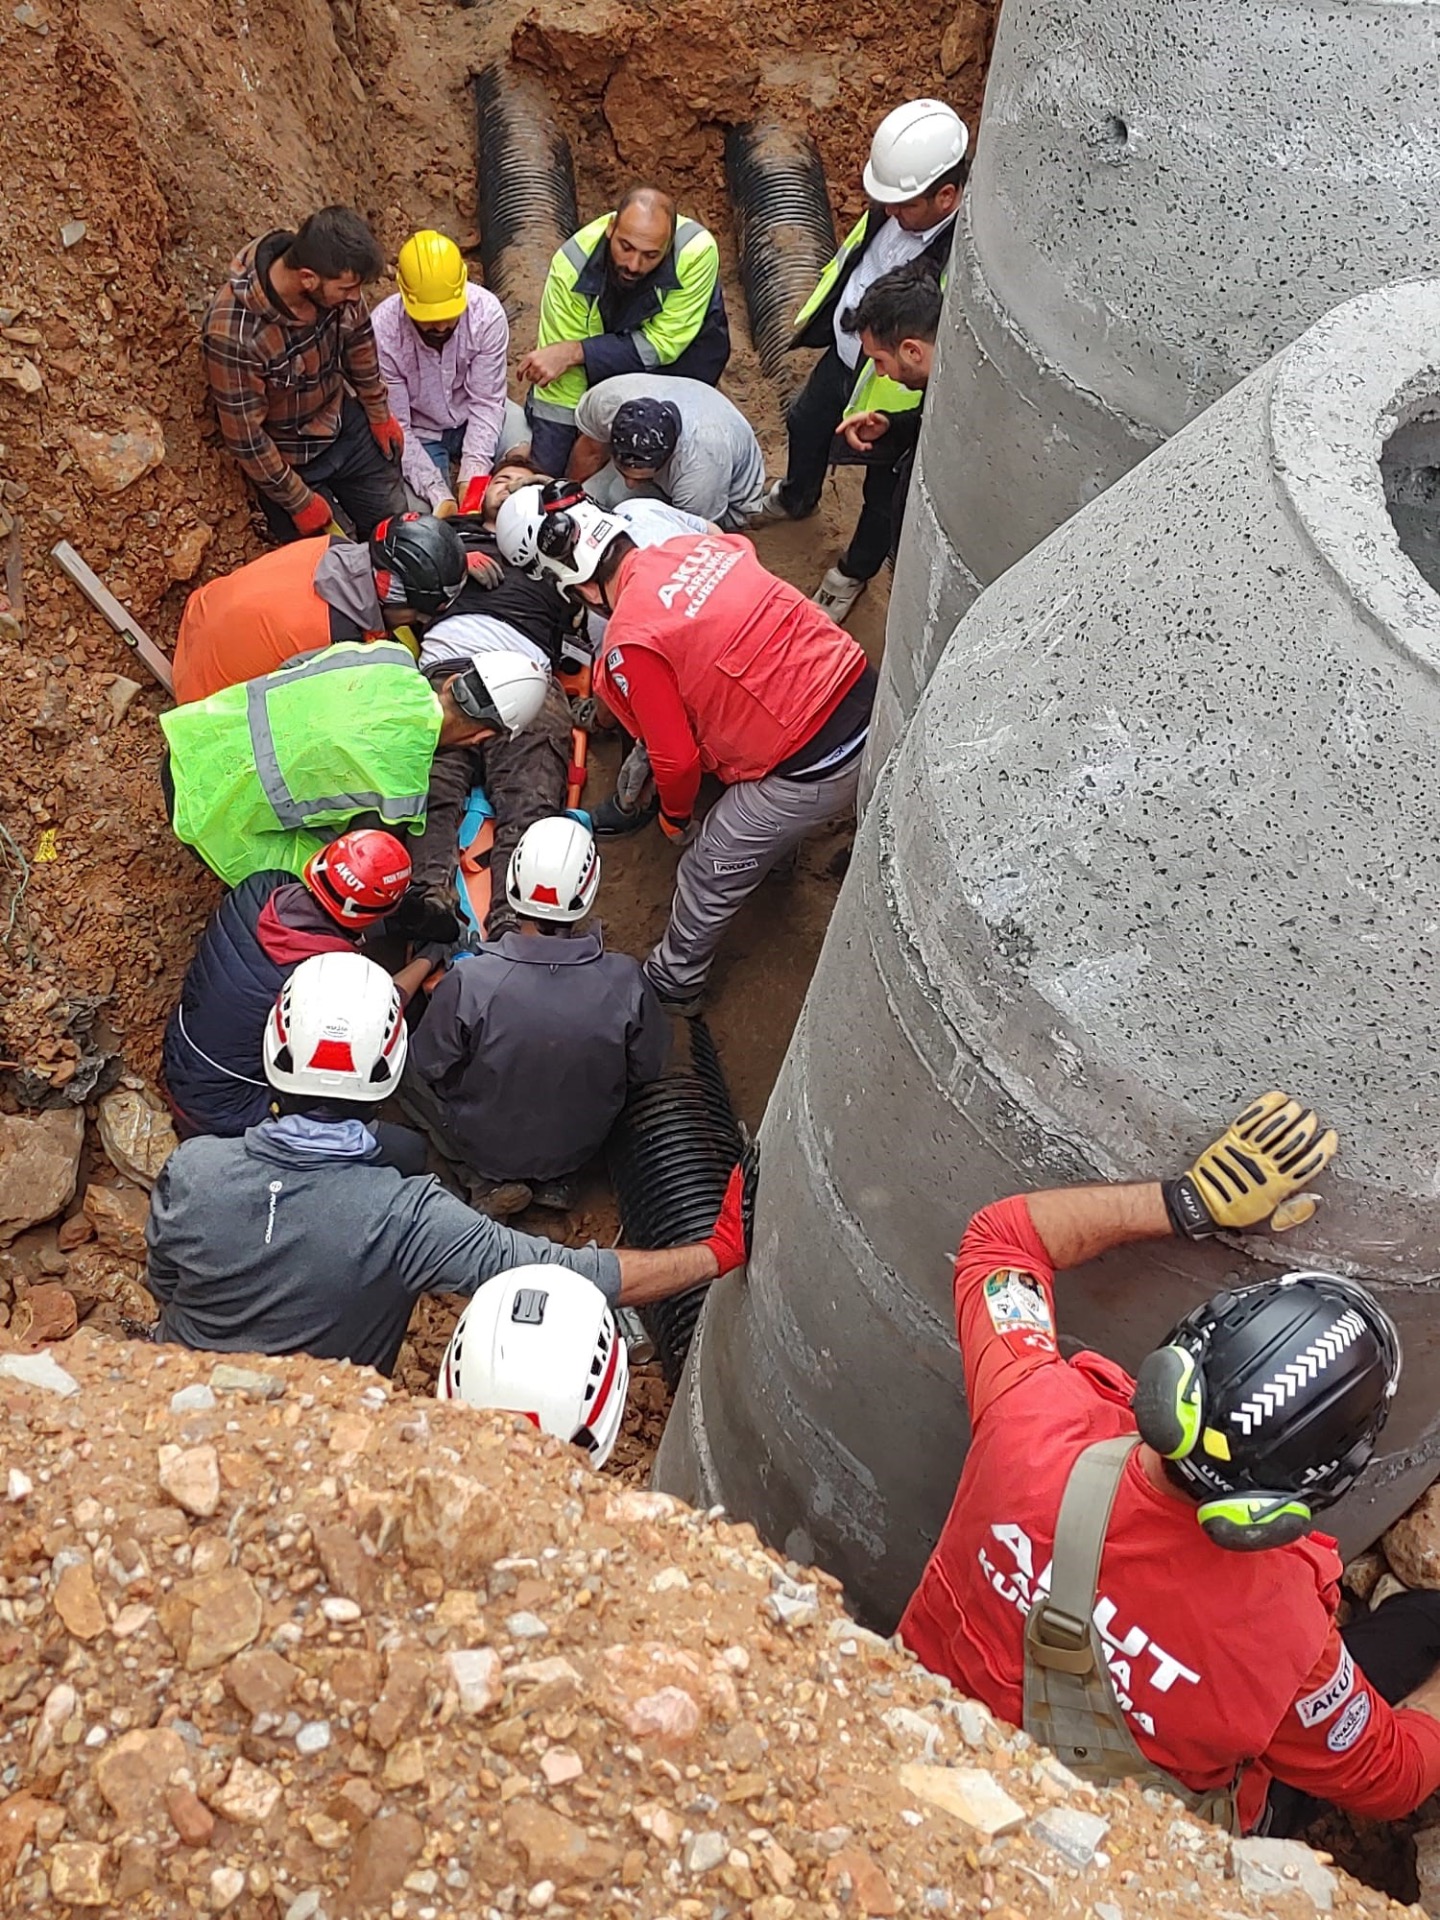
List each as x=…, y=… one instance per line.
x=1165, y=193
x=1161, y=835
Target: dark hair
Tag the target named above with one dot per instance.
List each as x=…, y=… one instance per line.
x=610, y=560
x=903, y=304
x=520, y=456
x=334, y=241
x=315, y=1107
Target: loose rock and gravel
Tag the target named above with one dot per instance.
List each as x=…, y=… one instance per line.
x=285, y=1643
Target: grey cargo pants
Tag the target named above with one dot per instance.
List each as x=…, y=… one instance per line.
x=751, y=826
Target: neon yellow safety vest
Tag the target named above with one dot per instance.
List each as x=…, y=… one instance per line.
x=267, y=771
x=872, y=392
x=571, y=312
x=840, y=260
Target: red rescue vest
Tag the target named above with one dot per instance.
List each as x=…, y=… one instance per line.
x=251, y=621
x=759, y=666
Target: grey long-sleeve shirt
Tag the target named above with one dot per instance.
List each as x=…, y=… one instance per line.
x=254, y=1248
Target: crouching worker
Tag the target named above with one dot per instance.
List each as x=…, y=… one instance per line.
x=258, y=935
x=532, y=1043
x=263, y=774
x=1186, y=1638
x=543, y=1343
x=312, y=594
x=296, y=1239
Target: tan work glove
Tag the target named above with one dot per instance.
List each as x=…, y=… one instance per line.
x=1252, y=1175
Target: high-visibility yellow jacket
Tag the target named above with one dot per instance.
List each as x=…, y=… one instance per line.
x=674, y=319
x=267, y=771
x=814, y=323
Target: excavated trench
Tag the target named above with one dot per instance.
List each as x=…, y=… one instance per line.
x=174, y=133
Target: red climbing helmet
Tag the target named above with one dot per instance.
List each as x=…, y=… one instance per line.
x=360, y=877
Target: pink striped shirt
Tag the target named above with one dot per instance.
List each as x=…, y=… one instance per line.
x=461, y=385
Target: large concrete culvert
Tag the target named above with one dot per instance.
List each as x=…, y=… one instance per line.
x=1164, y=195
x=1161, y=834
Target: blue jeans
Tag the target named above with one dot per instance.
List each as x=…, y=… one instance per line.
x=446, y=450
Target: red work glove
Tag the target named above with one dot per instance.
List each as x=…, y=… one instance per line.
x=681, y=832
x=727, y=1239
x=389, y=436
x=484, y=569
x=315, y=516
x=473, y=497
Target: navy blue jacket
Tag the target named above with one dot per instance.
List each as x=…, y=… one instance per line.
x=213, y=1053
x=625, y=310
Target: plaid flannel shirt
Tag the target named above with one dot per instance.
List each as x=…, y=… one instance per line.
x=279, y=382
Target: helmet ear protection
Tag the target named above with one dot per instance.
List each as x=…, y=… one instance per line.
x=1169, y=1409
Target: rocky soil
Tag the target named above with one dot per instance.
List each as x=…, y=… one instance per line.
x=279, y=1642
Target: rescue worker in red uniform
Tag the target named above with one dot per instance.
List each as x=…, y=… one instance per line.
x=716, y=666
x=1184, y=1635
x=311, y=594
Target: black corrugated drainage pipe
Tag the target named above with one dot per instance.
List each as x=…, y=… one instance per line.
x=785, y=232
x=670, y=1154
x=526, y=198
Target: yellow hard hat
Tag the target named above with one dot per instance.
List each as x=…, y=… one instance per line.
x=432, y=277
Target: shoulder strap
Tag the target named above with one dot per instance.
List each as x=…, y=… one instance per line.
x=1059, y=1634
x=1070, y=1700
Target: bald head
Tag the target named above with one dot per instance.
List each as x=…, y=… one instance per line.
x=641, y=233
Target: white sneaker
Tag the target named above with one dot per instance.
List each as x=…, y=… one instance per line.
x=771, y=506
x=837, y=594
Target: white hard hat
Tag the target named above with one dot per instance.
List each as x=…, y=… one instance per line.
x=336, y=1031
x=517, y=525
x=554, y=871
x=913, y=146
x=501, y=689
x=540, y=1341
x=572, y=541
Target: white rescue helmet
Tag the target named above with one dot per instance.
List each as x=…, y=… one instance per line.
x=913, y=147
x=503, y=690
x=517, y=526
x=336, y=1031
x=540, y=1341
x=574, y=540
x=554, y=871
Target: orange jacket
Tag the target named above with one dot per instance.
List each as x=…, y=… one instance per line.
x=253, y=620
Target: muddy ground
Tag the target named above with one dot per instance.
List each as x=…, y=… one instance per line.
x=155, y=139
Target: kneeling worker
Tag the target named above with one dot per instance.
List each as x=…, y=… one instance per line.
x=1187, y=1636
x=533, y=1042
x=719, y=667
x=636, y=291
x=263, y=774
x=679, y=439
x=443, y=346
x=312, y=594
x=259, y=934
x=295, y=1239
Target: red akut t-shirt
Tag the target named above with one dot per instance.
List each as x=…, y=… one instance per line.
x=1219, y=1659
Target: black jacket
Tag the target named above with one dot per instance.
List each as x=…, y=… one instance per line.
x=819, y=329
x=531, y=1044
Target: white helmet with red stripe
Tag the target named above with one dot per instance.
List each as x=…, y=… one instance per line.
x=540, y=1341
x=554, y=871
x=336, y=1031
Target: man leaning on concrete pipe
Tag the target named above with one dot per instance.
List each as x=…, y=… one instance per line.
x=1130, y=1568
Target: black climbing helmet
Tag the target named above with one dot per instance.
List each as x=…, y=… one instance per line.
x=1266, y=1403
x=418, y=562
x=644, y=434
